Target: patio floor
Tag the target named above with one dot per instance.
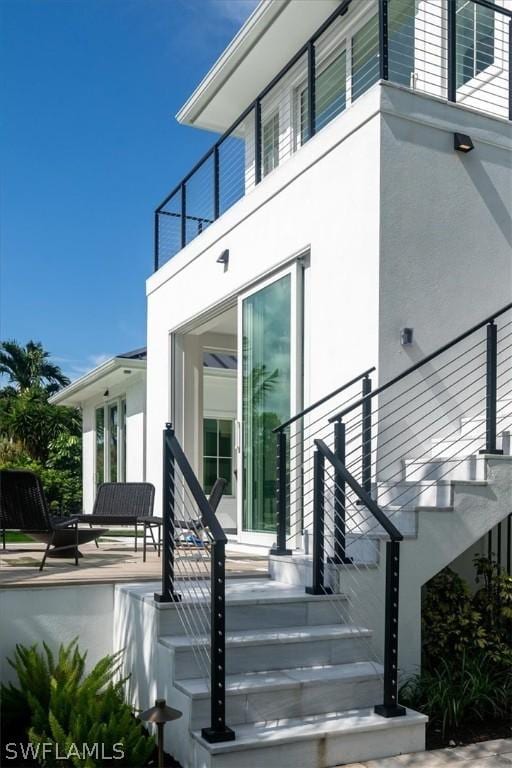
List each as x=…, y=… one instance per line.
x=115, y=561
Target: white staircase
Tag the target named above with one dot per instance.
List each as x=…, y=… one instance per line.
x=301, y=684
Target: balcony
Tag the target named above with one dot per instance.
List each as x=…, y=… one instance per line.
x=456, y=50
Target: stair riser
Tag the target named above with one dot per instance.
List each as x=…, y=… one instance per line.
x=300, y=701
x=449, y=469
x=363, y=551
x=322, y=751
x=260, y=616
x=258, y=658
x=434, y=496
x=404, y=519
x=448, y=449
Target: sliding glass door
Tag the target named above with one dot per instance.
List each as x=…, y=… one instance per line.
x=267, y=392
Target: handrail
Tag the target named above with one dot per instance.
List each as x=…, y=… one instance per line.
x=420, y=363
x=339, y=11
x=323, y=400
x=207, y=514
x=394, y=533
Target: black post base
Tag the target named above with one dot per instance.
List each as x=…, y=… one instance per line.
x=390, y=711
x=319, y=591
x=281, y=552
x=493, y=452
x=217, y=735
x=171, y=597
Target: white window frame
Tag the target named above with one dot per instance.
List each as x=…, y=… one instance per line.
x=496, y=69
x=121, y=447
x=222, y=417
x=340, y=42
x=273, y=115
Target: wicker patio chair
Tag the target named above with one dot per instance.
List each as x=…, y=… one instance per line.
x=23, y=507
x=120, y=504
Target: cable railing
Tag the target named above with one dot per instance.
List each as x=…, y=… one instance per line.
x=356, y=476
x=458, y=50
x=193, y=574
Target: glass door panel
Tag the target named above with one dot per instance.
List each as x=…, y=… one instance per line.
x=266, y=353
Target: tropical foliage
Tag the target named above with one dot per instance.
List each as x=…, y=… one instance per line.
x=34, y=434
x=30, y=366
x=57, y=703
x=466, y=675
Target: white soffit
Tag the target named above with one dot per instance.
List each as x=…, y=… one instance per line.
x=270, y=37
x=112, y=373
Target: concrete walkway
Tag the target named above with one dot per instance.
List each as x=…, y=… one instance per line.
x=487, y=754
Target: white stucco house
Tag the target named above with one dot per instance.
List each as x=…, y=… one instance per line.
x=351, y=223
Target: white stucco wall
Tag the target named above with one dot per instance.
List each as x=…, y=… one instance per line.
x=324, y=200
x=135, y=394
x=56, y=615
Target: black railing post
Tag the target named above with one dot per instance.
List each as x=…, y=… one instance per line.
x=218, y=730
x=383, y=40
x=318, y=587
x=157, y=240
x=281, y=494
x=491, y=390
x=311, y=90
x=168, y=595
x=390, y=706
x=340, y=532
x=216, y=182
x=183, y=215
x=366, y=436
x=452, y=51
x=257, y=141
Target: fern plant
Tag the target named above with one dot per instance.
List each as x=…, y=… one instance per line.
x=83, y=717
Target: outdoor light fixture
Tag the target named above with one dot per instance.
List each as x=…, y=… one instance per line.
x=406, y=335
x=224, y=258
x=105, y=394
x=160, y=714
x=126, y=370
x=462, y=142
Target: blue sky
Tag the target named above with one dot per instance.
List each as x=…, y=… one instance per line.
x=88, y=147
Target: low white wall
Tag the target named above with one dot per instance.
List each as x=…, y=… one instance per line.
x=56, y=615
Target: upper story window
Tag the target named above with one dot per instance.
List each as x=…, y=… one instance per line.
x=270, y=143
x=365, y=58
x=330, y=95
x=475, y=40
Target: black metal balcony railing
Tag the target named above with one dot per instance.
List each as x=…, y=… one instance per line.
x=454, y=49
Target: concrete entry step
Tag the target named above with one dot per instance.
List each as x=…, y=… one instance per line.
x=320, y=740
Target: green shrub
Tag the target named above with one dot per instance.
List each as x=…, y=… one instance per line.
x=466, y=673
x=451, y=624
x=464, y=691
x=58, y=703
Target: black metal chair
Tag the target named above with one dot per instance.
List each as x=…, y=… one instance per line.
x=120, y=504
x=23, y=507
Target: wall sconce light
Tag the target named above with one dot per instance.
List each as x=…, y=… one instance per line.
x=106, y=393
x=126, y=370
x=462, y=142
x=224, y=258
x=406, y=336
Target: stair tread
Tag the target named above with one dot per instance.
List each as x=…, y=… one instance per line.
x=260, y=735
x=255, y=682
x=276, y=634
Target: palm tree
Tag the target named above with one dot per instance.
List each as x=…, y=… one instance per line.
x=29, y=366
